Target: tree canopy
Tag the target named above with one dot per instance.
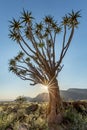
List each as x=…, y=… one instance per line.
x=37, y=60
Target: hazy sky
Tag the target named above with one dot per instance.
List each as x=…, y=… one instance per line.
x=74, y=73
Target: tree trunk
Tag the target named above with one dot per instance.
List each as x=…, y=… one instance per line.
x=55, y=106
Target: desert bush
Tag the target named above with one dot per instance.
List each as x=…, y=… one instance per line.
x=33, y=115
x=75, y=119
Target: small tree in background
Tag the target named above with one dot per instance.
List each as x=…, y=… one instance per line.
x=21, y=99
x=38, y=61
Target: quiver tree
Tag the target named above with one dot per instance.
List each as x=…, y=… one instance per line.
x=37, y=61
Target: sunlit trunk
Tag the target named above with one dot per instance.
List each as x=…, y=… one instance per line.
x=55, y=106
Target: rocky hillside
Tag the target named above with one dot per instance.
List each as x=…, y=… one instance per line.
x=70, y=94
x=74, y=94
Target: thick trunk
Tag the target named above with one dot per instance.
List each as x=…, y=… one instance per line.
x=55, y=106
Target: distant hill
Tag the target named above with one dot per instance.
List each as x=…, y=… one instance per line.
x=29, y=99
x=74, y=94
x=70, y=94
x=41, y=97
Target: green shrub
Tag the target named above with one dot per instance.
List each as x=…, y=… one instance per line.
x=76, y=120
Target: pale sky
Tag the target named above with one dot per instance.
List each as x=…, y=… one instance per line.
x=74, y=72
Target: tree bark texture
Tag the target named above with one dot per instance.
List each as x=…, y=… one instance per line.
x=55, y=106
